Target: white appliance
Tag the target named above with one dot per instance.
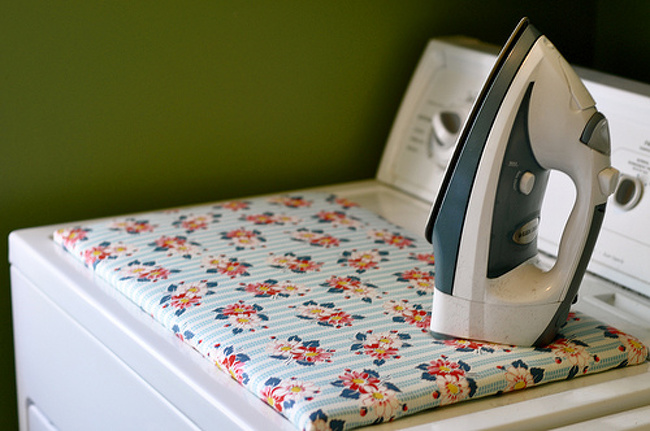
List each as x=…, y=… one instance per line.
x=87, y=358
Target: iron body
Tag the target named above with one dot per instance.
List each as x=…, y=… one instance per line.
x=533, y=115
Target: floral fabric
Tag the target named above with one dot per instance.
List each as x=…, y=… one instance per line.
x=321, y=309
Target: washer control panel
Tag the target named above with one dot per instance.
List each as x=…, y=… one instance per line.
x=441, y=93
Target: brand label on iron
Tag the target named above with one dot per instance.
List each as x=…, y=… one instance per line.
x=527, y=232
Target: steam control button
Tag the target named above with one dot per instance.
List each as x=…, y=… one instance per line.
x=608, y=179
x=526, y=182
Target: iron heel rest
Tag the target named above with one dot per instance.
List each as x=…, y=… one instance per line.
x=533, y=115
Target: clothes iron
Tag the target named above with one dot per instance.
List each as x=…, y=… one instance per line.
x=533, y=115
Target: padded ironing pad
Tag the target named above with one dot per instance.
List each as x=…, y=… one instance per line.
x=320, y=308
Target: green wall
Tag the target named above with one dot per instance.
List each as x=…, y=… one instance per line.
x=115, y=107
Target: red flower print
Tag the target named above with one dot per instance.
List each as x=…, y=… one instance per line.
x=572, y=351
x=145, y=272
x=363, y=261
x=290, y=202
x=234, y=205
x=330, y=216
x=233, y=269
x=296, y=264
x=519, y=375
x=316, y=238
x=386, y=237
x=296, y=202
x=344, y=202
x=176, y=245
x=170, y=242
x=424, y=257
x=400, y=241
x=266, y=218
x=121, y=249
x=284, y=348
x=244, y=321
x=294, y=389
x=337, y=319
x=403, y=311
x=184, y=296
x=273, y=397
x=269, y=218
x=233, y=366
x=240, y=233
x=241, y=317
x=132, y=226
x=452, y=388
x=380, y=351
x=376, y=396
x=273, y=289
x=463, y=344
x=326, y=314
x=445, y=367
x=157, y=273
x=343, y=283
x=314, y=311
x=352, y=286
x=139, y=227
x=396, y=307
x=238, y=308
x=263, y=289
x=381, y=346
x=637, y=352
x=518, y=378
x=337, y=219
x=304, y=265
x=359, y=381
x=382, y=401
x=282, y=261
x=135, y=271
x=415, y=274
x=185, y=300
x=231, y=362
x=392, y=338
x=419, y=318
x=95, y=254
x=226, y=266
x=311, y=354
x=243, y=238
x=69, y=237
x=193, y=223
x=285, y=219
x=421, y=281
x=282, y=395
x=288, y=288
x=326, y=241
x=306, y=353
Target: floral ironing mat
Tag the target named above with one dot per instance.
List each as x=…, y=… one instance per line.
x=321, y=309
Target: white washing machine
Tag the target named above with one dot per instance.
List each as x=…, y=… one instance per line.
x=89, y=358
